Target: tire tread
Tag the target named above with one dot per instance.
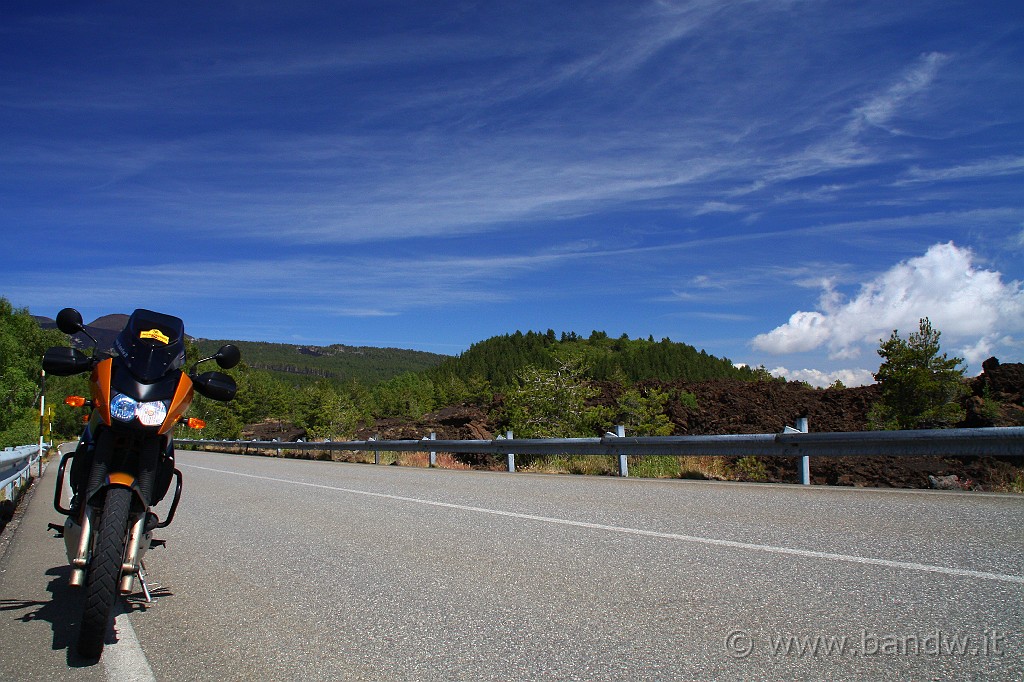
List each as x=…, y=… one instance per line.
x=101, y=588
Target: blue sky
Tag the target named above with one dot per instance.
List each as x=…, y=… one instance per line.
x=780, y=183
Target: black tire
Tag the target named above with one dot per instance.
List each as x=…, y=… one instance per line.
x=101, y=587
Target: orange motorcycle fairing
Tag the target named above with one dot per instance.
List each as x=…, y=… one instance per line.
x=99, y=385
x=179, y=404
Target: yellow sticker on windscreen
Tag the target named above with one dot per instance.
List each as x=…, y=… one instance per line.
x=156, y=335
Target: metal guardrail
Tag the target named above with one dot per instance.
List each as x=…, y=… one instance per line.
x=995, y=441
x=15, y=466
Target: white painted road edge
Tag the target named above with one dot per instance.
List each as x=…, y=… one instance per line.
x=732, y=544
x=124, y=660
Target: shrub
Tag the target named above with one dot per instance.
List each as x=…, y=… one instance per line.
x=658, y=466
x=750, y=468
x=643, y=413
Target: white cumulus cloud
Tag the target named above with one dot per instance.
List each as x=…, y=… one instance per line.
x=976, y=311
x=816, y=377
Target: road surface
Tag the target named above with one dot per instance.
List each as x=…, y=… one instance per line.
x=291, y=569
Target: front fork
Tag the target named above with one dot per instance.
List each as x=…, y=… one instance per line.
x=138, y=543
x=78, y=543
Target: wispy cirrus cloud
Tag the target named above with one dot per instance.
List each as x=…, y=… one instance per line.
x=880, y=110
x=354, y=286
x=986, y=168
x=656, y=155
x=386, y=179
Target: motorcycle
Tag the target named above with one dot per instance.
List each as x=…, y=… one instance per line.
x=124, y=463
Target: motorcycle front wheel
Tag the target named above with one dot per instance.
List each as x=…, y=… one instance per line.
x=101, y=587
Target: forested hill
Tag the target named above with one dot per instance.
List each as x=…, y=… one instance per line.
x=500, y=359
x=338, y=363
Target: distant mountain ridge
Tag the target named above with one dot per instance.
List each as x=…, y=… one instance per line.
x=338, y=362
x=293, y=363
x=104, y=329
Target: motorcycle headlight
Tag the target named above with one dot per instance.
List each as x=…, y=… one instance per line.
x=152, y=414
x=125, y=408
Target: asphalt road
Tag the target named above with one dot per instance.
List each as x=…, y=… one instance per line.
x=288, y=569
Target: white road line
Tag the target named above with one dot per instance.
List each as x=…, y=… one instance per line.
x=123, y=660
x=805, y=553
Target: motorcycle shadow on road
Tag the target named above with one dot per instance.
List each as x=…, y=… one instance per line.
x=63, y=612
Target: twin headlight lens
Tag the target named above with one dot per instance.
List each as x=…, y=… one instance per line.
x=125, y=408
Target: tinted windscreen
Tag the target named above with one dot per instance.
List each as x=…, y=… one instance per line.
x=152, y=344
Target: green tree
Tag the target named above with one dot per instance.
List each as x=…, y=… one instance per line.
x=450, y=389
x=66, y=422
x=22, y=344
x=552, y=403
x=259, y=396
x=643, y=413
x=408, y=395
x=222, y=423
x=921, y=387
x=325, y=413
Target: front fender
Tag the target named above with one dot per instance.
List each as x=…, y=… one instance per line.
x=120, y=479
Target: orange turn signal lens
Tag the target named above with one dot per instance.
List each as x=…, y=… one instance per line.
x=75, y=401
x=195, y=423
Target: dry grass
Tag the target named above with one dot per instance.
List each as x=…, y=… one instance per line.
x=700, y=467
x=358, y=456
x=692, y=466
x=572, y=464
x=1007, y=482
x=444, y=460
x=667, y=466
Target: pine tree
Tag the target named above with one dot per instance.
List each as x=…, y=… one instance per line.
x=921, y=388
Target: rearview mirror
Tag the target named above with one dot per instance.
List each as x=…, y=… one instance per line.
x=63, y=361
x=69, y=321
x=228, y=356
x=215, y=385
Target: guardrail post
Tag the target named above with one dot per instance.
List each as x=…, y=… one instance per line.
x=376, y=452
x=620, y=432
x=433, y=455
x=805, y=464
x=511, y=456
x=42, y=417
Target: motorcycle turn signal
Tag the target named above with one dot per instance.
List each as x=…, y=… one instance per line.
x=193, y=422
